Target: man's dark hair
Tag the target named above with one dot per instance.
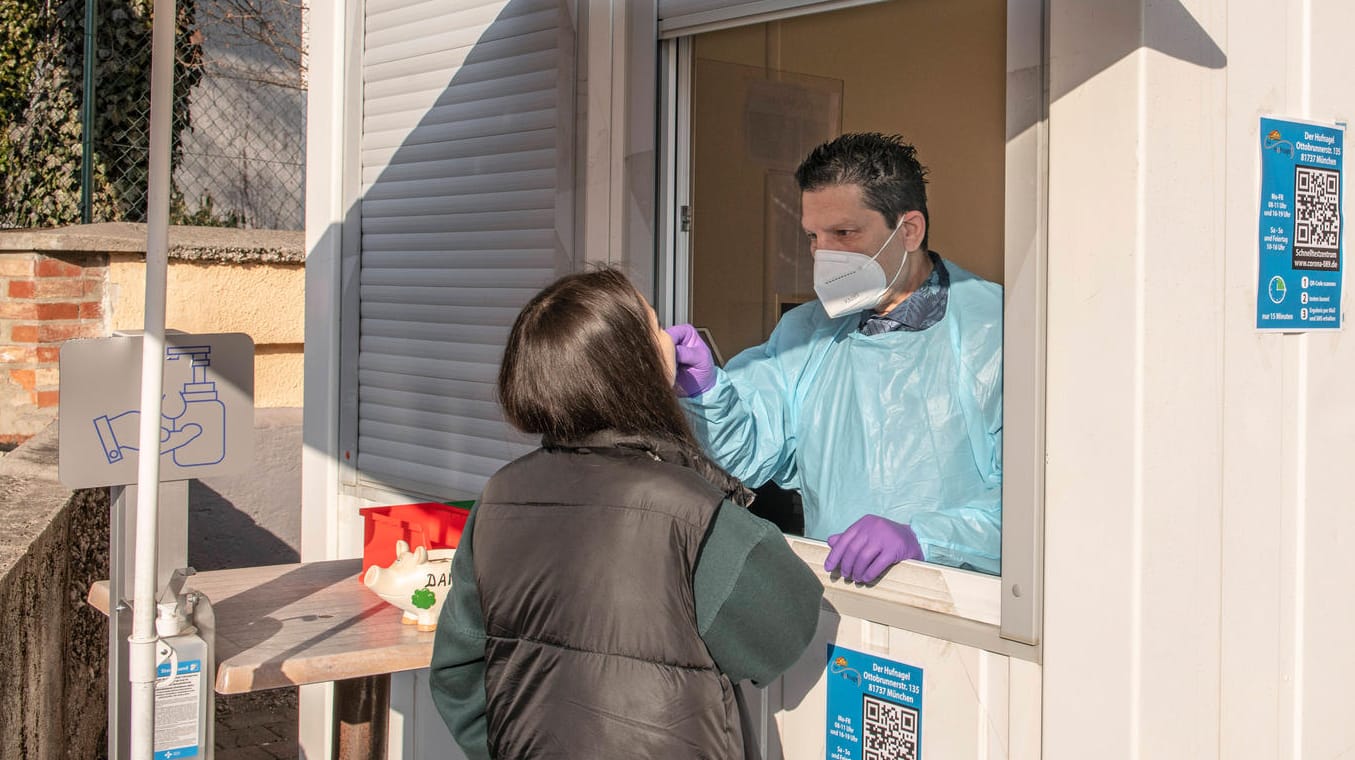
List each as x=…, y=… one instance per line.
x=892, y=180
x=582, y=358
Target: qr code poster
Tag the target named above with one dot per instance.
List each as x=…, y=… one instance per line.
x=1317, y=218
x=874, y=707
x=1301, y=226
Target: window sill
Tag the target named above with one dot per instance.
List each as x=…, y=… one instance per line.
x=943, y=602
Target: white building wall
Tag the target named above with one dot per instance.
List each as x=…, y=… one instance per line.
x=1197, y=517
x=1288, y=521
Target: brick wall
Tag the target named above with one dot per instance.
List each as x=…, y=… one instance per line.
x=87, y=281
x=45, y=299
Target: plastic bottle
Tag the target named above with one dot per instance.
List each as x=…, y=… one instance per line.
x=182, y=696
x=202, y=406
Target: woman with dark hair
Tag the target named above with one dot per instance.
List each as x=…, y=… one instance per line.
x=610, y=588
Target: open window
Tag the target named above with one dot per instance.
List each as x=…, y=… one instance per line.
x=748, y=96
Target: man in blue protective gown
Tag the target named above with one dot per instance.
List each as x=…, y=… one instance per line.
x=881, y=402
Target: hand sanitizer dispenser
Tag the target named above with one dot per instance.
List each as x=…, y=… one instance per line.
x=183, y=678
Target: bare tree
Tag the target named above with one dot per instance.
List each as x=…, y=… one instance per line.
x=273, y=26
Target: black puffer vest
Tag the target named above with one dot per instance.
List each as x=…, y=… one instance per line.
x=584, y=558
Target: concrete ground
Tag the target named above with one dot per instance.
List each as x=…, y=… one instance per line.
x=245, y=520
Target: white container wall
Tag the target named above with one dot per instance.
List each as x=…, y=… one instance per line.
x=1198, y=514
x=972, y=703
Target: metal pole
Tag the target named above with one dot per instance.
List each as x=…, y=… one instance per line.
x=87, y=114
x=171, y=550
x=362, y=717
x=142, y=644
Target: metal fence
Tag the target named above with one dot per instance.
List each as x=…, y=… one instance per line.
x=243, y=155
x=238, y=121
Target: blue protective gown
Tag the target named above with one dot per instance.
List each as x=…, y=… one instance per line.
x=907, y=425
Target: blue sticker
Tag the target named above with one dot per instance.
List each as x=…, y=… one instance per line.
x=186, y=667
x=874, y=707
x=1300, y=241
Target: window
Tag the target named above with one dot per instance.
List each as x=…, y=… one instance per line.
x=961, y=81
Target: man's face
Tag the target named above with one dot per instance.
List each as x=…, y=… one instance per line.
x=835, y=218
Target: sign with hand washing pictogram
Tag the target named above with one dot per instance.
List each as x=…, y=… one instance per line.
x=206, y=412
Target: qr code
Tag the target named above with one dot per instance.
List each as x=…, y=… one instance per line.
x=1317, y=210
x=890, y=730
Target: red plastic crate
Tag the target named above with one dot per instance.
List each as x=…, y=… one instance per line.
x=429, y=524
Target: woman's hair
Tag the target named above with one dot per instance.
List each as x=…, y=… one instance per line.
x=582, y=358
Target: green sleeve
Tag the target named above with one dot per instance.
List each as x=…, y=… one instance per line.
x=757, y=603
x=457, y=670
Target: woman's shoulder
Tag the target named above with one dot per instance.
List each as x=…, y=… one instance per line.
x=684, y=483
x=615, y=475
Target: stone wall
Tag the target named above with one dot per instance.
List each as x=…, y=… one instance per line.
x=53, y=685
x=87, y=281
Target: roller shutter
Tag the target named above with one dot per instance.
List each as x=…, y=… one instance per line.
x=464, y=154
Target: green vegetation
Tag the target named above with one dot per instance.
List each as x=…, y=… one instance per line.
x=41, y=83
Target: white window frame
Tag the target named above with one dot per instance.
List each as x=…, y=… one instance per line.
x=999, y=614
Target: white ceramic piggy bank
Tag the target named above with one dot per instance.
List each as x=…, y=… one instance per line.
x=418, y=582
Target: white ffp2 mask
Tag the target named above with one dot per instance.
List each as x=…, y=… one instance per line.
x=847, y=282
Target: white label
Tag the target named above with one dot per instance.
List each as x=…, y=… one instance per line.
x=177, y=709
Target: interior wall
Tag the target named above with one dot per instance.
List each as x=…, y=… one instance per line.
x=933, y=71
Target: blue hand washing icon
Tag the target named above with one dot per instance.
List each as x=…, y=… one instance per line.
x=192, y=420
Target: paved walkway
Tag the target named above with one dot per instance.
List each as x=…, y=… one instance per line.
x=257, y=726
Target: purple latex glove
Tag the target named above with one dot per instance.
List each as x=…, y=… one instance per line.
x=869, y=547
x=695, y=367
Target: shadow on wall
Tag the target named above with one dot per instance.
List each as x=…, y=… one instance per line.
x=230, y=537
x=1172, y=32
x=469, y=212
x=253, y=517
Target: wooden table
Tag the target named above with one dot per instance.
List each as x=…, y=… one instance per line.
x=288, y=625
